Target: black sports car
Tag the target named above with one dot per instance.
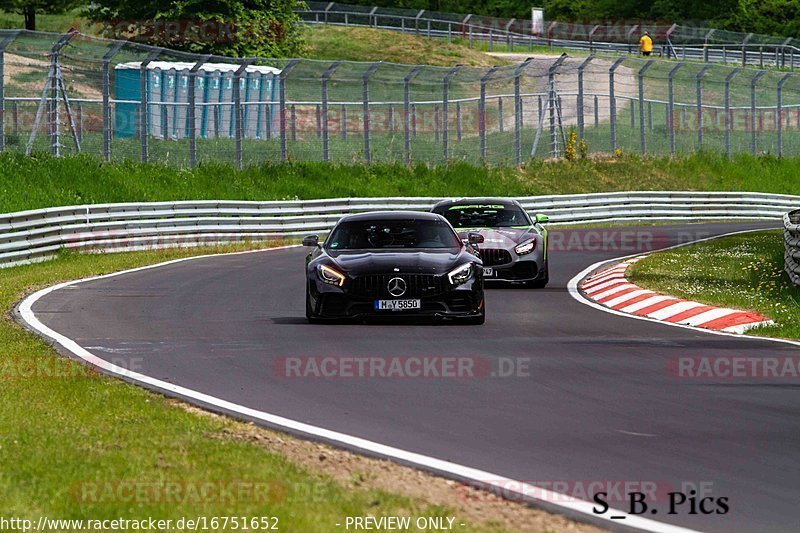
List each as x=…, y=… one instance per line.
x=515, y=246
x=394, y=263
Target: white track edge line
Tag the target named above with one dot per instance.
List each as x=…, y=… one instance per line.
x=572, y=288
x=548, y=499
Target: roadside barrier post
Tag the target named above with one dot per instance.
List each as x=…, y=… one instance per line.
x=728, y=121
x=192, y=109
x=144, y=106
x=779, y=111
x=482, y=111
x=671, y=105
x=580, y=109
x=325, y=77
x=407, y=118
x=699, y=79
x=445, y=97
x=3, y=45
x=282, y=103
x=753, y=110
x=612, y=103
x=518, y=110
x=365, y=102
x=642, y=135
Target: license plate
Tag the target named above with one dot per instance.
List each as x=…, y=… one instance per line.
x=488, y=272
x=397, y=305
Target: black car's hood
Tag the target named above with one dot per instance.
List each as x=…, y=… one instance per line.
x=360, y=262
x=501, y=237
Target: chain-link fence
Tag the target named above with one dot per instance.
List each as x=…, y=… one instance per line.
x=126, y=101
x=519, y=35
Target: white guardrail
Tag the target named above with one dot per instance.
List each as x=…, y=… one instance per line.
x=28, y=236
x=791, y=236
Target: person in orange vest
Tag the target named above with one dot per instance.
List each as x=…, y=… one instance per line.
x=646, y=44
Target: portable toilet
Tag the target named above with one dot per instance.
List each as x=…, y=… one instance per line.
x=168, y=94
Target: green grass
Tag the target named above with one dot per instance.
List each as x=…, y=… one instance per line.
x=61, y=23
x=741, y=271
x=44, y=181
x=66, y=431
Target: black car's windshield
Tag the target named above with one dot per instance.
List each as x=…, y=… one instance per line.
x=389, y=234
x=486, y=216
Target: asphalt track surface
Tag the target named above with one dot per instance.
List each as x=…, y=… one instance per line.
x=599, y=403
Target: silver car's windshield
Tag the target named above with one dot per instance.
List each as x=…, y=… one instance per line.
x=486, y=216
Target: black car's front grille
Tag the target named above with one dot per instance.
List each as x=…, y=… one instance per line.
x=417, y=285
x=495, y=256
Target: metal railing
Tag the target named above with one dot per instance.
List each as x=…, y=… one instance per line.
x=496, y=34
x=791, y=235
x=39, y=234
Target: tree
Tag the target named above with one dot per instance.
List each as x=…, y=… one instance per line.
x=29, y=8
x=235, y=28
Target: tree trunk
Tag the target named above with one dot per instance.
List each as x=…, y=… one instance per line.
x=30, y=17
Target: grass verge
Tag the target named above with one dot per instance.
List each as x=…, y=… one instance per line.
x=78, y=445
x=43, y=181
x=741, y=271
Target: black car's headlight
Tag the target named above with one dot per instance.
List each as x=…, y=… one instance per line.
x=460, y=275
x=525, y=247
x=330, y=275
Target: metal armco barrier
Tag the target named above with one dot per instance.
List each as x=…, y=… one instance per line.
x=28, y=236
x=791, y=236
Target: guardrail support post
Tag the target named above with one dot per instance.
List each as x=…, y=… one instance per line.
x=407, y=111
x=581, y=120
x=612, y=103
x=445, y=97
x=191, y=111
x=282, y=103
x=324, y=118
x=779, y=111
x=699, y=79
x=365, y=102
x=753, y=110
x=144, y=106
x=482, y=112
x=3, y=45
x=640, y=75
x=728, y=79
x=671, y=106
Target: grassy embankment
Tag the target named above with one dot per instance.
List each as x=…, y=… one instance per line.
x=741, y=271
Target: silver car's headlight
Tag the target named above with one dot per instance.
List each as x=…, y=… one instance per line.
x=330, y=276
x=460, y=274
x=525, y=247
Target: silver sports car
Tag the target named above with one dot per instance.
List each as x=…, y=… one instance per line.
x=515, y=245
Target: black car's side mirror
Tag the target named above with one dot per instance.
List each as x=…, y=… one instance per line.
x=311, y=240
x=474, y=238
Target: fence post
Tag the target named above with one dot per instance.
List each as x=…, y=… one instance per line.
x=406, y=111
x=581, y=68
x=3, y=45
x=238, y=130
x=106, y=80
x=518, y=110
x=55, y=127
x=365, y=102
x=753, y=110
x=671, y=106
x=728, y=79
x=324, y=119
x=553, y=103
x=144, y=106
x=191, y=111
x=640, y=75
x=445, y=97
x=779, y=111
x=744, y=48
x=612, y=103
x=482, y=111
x=699, y=79
x=282, y=103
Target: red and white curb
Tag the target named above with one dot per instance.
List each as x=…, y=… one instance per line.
x=611, y=289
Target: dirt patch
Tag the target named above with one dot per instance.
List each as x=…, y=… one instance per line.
x=26, y=76
x=357, y=472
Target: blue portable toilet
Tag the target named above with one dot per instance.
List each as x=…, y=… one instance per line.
x=167, y=96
